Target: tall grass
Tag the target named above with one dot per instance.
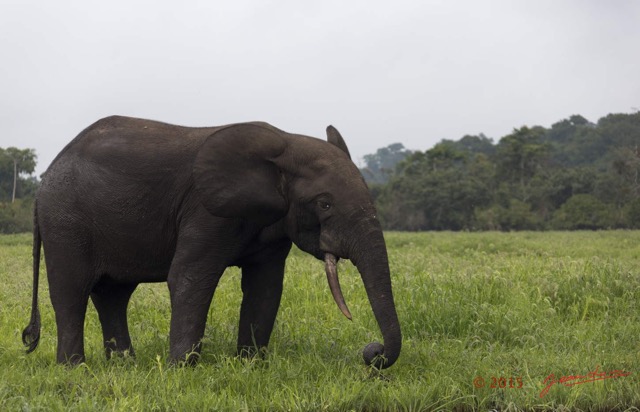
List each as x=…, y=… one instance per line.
x=490, y=305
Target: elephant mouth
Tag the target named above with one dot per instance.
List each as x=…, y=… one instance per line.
x=331, y=268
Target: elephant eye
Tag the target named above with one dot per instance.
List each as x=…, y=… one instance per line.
x=324, y=205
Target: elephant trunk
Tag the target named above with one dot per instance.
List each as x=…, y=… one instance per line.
x=369, y=255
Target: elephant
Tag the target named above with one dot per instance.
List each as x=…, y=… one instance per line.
x=130, y=201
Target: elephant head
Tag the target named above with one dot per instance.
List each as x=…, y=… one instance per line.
x=310, y=191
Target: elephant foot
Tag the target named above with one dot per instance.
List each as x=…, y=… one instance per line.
x=251, y=352
x=71, y=361
x=189, y=358
x=113, y=349
x=120, y=354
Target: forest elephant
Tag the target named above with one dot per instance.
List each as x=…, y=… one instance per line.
x=131, y=201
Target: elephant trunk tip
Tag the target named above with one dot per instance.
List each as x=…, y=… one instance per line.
x=373, y=355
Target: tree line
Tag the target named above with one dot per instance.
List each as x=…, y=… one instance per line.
x=574, y=175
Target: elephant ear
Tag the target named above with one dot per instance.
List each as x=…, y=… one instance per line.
x=236, y=175
x=334, y=137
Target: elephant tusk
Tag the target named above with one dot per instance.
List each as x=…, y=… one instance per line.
x=332, y=276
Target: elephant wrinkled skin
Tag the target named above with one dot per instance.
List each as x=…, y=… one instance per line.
x=131, y=201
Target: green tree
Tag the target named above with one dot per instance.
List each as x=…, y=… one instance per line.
x=17, y=189
x=479, y=144
x=16, y=217
x=618, y=185
x=397, y=200
x=15, y=162
x=619, y=130
x=380, y=165
x=520, y=156
x=574, y=175
x=584, y=211
x=437, y=190
x=515, y=215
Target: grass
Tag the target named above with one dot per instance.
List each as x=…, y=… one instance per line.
x=489, y=305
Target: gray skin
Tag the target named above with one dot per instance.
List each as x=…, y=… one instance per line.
x=131, y=201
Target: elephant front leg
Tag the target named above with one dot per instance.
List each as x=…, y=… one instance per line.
x=191, y=295
x=262, y=290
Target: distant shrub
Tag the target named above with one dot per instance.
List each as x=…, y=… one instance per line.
x=583, y=212
x=16, y=217
x=518, y=216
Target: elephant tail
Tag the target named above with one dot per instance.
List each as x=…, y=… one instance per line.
x=31, y=334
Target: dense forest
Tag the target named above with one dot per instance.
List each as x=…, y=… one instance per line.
x=574, y=175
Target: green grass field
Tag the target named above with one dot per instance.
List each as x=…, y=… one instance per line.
x=509, y=308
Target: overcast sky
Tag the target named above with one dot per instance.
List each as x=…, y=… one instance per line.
x=413, y=72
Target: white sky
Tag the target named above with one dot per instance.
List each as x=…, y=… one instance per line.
x=404, y=71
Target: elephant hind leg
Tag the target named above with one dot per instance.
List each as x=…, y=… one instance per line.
x=69, y=292
x=70, y=321
x=111, y=301
x=69, y=300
